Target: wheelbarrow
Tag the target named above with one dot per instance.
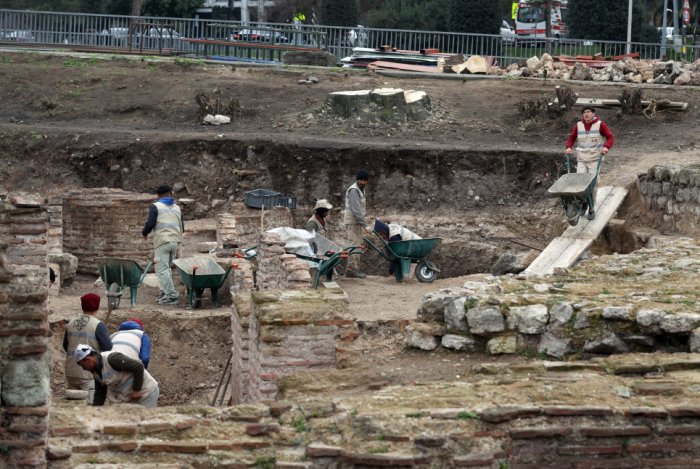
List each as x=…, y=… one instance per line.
x=327, y=256
x=117, y=274
x=199, y=273
x=405, y=253
x=576, y=191
x=324, y=265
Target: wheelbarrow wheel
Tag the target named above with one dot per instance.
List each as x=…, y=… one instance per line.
x=113, y=295
x=425, y=274
x=572, y=213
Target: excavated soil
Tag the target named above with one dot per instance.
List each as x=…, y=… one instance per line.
x=475, y=173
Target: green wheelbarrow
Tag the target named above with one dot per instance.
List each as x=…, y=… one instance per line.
x=323, y=266
x=199, y=273
x=117, y=274
x=405, y=253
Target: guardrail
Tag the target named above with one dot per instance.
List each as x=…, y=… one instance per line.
x=232, y=38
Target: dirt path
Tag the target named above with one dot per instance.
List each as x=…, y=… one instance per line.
x=384, y=299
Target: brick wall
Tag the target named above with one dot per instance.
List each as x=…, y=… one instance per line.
x=276, y=269
x=105, y=222
x=288, y=331
x=55, y=209
x=24, y=359
x=244, y=225
x=672, y=196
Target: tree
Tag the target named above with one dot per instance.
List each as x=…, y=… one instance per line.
x=426, y=15
x=170, y=8
x=338, y=13
x=474, y=16
x=605, y=20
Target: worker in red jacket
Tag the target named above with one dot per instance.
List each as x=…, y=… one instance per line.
x=593, y=138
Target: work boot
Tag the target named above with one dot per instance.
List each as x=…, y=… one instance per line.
x=591, y=214
x=167, y=301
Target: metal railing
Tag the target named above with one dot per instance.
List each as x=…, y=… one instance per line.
x=268, y=41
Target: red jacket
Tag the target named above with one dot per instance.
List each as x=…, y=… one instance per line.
x=604, y=131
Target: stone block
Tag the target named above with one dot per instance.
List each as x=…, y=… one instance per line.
x=608, y=344
x=455, y=314
x=559, y=315
x=680, y=323
x=650, y=317
x=531, y=319
x=486, y=320
x=502, y=345
x=26, y=383
x=420, y=336
x=457, y=342
x=554, y=346
x=617, y=313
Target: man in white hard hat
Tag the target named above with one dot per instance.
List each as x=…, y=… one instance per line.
x=118, y=378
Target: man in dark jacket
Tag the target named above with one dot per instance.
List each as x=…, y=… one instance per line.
x=118, y=378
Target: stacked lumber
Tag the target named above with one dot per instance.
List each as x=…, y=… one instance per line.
x=595, y=61
x=425, y=60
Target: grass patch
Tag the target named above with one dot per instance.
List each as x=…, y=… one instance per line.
x=188, y=63
x=416, y=415
x=299, y=424
x=467, y=415
x=267, y=462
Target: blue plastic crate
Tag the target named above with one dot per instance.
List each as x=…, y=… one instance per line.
x=261, y=198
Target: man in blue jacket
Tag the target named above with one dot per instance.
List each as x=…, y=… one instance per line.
x=132, y=341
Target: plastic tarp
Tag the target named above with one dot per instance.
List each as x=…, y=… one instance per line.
x=296, y=241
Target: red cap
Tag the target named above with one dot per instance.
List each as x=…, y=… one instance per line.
x=90, y=302
x=137, y=321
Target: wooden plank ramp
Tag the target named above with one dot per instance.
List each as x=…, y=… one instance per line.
x=567, y=248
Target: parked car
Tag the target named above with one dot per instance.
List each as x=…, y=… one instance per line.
x=254, y=35
x=20, y=35
x=508, y=35
x=165, y=33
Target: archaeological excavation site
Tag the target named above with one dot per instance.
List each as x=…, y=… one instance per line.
x=517, y=340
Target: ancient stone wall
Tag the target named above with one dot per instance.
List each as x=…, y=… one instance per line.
x=323, y=435
x=106, y=223
x=288, y=331
x=672, y=196
x=24, y=358
x=556, y=316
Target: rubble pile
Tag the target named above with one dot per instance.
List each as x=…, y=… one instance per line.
x=627, y=70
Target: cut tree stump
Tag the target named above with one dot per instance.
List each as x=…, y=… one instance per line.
x=382, y=104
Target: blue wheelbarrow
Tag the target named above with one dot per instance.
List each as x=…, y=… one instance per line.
x=117, y=274
x=199, y=273
x=405, y=253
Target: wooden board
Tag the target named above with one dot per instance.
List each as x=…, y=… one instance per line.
x=380, y=64
x=675, y=105
x=565, y=250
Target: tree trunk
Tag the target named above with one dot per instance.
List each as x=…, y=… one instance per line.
x=135, y=13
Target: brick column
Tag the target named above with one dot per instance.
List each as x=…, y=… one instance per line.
x=292, y=331
x=25, y=391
